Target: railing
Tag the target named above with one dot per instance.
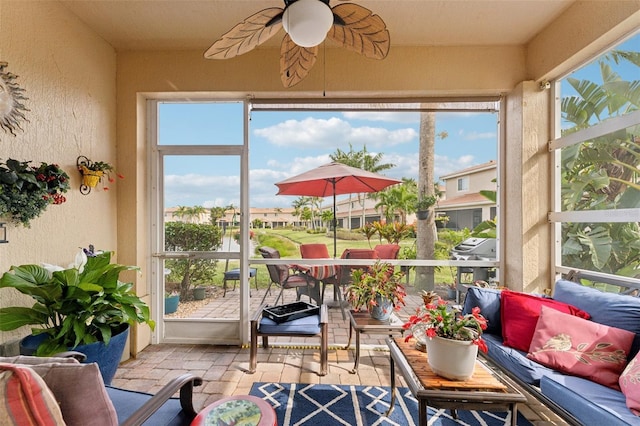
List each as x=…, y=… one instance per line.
x=626, y=285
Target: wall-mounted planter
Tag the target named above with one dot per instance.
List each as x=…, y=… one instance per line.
x=90, y=178
x=92, y=173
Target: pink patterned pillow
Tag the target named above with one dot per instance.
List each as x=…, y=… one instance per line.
x=630, y=384
x=580, y=347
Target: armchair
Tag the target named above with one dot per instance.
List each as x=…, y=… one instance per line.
x=81, y=394
x=387, y=251
x=314, y=251
x=282, y=277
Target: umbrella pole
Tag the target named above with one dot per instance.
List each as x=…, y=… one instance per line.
x=335, y=222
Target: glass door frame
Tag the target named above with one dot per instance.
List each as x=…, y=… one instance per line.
x=196, y=330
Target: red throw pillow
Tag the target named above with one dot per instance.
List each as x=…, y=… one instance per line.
x=581, y=348
x=519, y=314
x=629, y=382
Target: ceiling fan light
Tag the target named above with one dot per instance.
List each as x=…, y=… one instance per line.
x=307, y=22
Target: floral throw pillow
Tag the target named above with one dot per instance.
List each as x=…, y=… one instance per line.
x=580, y=347
x=630, y=384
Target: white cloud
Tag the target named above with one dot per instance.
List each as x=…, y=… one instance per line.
x=407, y=165
x=191, y=189
x=387, y=117
x=321, y=133
x=474, y=136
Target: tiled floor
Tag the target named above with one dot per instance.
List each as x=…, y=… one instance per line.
x=223, y=368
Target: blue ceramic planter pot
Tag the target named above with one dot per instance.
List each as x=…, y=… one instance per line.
x=171, y=304
x=106, y=356
x=382, y=312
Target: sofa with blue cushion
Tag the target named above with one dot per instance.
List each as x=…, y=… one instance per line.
x=578, y=400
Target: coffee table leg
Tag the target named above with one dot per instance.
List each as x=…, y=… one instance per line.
x=514, y=414
x=392, y=371
x=357, y=361
x=422, y=412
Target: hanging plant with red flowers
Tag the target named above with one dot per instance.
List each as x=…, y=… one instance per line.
x=26, y=190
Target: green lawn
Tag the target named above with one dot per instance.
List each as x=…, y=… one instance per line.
x=287, y=241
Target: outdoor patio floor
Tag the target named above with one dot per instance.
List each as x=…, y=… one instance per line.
x=288, y=360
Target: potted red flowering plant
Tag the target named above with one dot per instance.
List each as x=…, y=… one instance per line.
x=378, y=289
x=437, y=324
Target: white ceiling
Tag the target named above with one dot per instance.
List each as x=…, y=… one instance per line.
x=195, y=24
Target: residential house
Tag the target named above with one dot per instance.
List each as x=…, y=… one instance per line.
x=460, y=202
x=464, y=206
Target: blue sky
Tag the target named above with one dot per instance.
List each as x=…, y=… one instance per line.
x=283, y=144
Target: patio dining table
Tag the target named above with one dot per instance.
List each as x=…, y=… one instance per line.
x=319, y=273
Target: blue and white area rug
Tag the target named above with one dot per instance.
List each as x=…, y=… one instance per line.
x=323, y=405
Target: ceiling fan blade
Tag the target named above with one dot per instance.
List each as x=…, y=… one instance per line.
x=295, y=61
x=362, y=32
x=247, y=35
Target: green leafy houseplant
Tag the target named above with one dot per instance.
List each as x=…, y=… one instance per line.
x=425, y=202
x=82, y=304
x=381, y=280
x=26, y=190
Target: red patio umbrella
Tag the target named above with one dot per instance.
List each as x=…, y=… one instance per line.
x=334, y=179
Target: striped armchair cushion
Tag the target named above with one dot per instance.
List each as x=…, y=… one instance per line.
x=26, y=399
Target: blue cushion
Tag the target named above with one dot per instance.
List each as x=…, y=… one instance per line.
x=615, y=310
x=587, y=401
x=126, y=402
x=234, y=274
x=488, y=300
x=307, y=325
x=515, y=361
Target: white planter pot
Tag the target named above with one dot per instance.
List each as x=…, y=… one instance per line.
x=452, y=359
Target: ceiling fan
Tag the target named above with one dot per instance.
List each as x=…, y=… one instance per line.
x=307, y=23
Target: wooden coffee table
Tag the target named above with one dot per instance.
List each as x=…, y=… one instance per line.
x=486, y=390
x=362, y=322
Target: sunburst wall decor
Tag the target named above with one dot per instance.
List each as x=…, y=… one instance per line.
x=11, y=101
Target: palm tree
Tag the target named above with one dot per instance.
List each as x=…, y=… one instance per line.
x=327, y=217
x=196, y=212
x=385, y=204
x=181, y=212
x=298, y=204
x=426, y=229
x=353, y=159
x=362, y=160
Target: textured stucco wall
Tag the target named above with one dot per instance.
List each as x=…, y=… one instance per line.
x=69, y=76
